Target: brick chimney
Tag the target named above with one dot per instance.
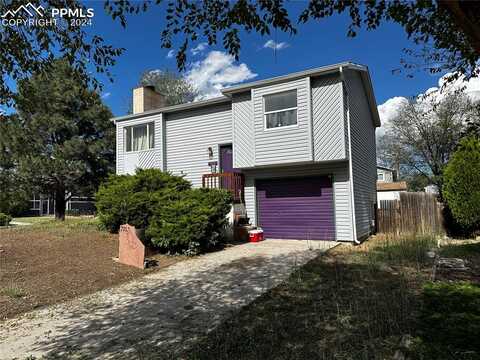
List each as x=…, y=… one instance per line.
x=146, y=98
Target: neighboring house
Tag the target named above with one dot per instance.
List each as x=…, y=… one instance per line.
x=43, y=205
x=385, y=174
x=431, y=189
x=388, y=188
x=297, y=150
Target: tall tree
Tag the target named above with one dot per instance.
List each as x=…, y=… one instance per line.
x=425, y=133
x=173, y=86
x=61, y=140
x=448, y=30
x=27, y=49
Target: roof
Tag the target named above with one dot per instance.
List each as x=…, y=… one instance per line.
x=173, y=108
x=279, y=79
x=385, y=168
x=392, y=186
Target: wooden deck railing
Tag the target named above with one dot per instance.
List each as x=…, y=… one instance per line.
x=234, y=182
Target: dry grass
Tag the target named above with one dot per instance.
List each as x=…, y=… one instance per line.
x=50, y=262
x=352, y=303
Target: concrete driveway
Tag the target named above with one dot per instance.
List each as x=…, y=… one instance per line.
x=169, y=308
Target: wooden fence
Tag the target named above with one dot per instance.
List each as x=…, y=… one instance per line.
x=413, y=213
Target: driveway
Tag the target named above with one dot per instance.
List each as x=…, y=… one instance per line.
x=169, y=308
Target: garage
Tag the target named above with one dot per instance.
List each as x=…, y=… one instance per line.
x=296, y=208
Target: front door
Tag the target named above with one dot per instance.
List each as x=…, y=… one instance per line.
x=226, y=158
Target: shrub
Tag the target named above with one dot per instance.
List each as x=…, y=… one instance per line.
x=5, y=219
x=461, y=187
x=133, y=198
x=450, y=317
x=192, y=222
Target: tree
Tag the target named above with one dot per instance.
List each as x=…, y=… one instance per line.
x=425, y=133
x=462, y=183
x=61, y=140
x=448, y=30
x=174, y=87
x=14, y=195
x=30, y=49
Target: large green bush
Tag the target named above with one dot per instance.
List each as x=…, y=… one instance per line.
x=133, y=198
x=462, y=183
x=5, y=219
x=192, y=222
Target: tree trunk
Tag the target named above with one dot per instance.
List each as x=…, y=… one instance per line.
x=60, y=204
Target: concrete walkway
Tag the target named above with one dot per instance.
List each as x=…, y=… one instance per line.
x=169, y=308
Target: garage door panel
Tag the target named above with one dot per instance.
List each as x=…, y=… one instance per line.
x=296, y=208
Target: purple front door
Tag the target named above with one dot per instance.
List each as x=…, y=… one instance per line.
x=226, y=158
x=296, y=208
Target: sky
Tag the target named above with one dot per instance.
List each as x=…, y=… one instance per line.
x=210, y=68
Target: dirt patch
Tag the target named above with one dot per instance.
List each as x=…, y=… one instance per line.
x=42, y=265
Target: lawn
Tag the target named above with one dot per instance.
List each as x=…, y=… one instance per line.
x=50, y=262
x=361, y=302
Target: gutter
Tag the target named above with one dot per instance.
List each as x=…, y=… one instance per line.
x=350, y=167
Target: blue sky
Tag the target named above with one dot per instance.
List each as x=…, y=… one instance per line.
x=316, y=44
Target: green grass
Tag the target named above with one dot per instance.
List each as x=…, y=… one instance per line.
x=13, y=292
x=467, y=250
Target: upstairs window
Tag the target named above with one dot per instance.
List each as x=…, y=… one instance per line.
x=140, y=137
x=280, y=109
x=380, y=177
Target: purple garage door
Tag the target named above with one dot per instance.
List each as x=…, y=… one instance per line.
x=298, y=208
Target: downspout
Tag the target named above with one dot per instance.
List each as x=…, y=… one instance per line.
x=350, y=167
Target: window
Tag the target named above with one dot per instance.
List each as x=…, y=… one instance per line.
x=280, y=109
x=140, y=137
x=380, y=176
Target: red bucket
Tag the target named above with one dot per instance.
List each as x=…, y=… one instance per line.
x=255, y=235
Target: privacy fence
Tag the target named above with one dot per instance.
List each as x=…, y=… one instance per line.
x=413, y=213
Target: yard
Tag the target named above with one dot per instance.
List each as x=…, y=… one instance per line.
x=360, y=302
x=50, y=262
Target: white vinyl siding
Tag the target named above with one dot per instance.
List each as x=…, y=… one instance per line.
x=127, y=162
x=188, y=136
x=287, y=144
x=243, y=131
x=364, y=168
x=329, y=131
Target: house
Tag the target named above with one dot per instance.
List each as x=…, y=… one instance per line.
x=44, y=205
x=297, y=151
x=388, y=188
x=385, y=174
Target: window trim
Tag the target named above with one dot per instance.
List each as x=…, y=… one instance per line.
x=265, y=113
x=383, y=176
x=130, y=127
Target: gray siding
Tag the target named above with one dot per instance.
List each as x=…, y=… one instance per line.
x=363, y=152
x=188, y=136
x=126, y=163
x=243, y=130
x=328, y=118
x=341, y=188
x=283, y=145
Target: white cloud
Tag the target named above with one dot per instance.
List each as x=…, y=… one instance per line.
x=199, y=48
x=389, y=109
x=270, y=44
x=106, y=95
x=170, y=54
x=215, y=72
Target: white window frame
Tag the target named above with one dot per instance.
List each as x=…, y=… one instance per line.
x=130, y=128
x=382, y=175
x=265, y=113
